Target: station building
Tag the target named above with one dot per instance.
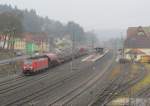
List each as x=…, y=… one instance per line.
x=137, y=44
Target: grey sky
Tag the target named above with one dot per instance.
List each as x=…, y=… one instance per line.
x=91, y=14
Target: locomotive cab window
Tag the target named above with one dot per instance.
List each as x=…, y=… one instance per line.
x=28, y=62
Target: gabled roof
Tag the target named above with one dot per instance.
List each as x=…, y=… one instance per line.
x=133, y=31
x=135, y=51
x=137, y=37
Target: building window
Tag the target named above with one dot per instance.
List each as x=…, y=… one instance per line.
x=141, y=33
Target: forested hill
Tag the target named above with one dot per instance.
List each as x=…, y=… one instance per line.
x=31, y=22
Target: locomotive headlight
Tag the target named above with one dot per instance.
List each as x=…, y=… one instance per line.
x=30, y=67
x=24, y=67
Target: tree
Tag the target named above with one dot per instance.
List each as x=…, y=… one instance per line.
x=10, y=28
x=29, y=21
x=75, y=31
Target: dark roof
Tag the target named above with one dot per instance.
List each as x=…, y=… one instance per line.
x=133, y=31
x=137, y=37
x=137, y=42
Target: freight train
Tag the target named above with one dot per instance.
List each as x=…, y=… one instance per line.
x=39, y=63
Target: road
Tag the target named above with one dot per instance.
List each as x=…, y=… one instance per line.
x=56, y=85
x=7, y=61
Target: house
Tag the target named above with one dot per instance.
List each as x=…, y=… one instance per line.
x=20, y=44
x=32, y=42
x=36, y=42
x=4, y=41
x=62, y=43
x=137, y=43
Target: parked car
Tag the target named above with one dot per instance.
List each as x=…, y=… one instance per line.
x=18, y=53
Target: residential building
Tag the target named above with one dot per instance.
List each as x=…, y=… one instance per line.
x=37, y=41
x=32, y=42
x=20, y=44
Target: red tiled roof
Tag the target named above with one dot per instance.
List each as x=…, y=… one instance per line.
x=35, y=37
x=135, y=51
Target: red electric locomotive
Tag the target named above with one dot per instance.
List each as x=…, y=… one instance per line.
x=38, y=63
x=35, y=64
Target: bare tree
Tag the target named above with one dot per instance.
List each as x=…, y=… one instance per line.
x=10, y=27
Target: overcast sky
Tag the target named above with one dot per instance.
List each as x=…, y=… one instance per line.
x=91, y=14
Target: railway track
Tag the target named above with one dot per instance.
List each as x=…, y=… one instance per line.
x=110, y=89
x=11, y=80
x=47, y=89
x=21, y=76
x=25, y=80
x=113, y=90
x=145, y=93
x=77, y=91
x=123, y=88
x=21, y=81
x=71, y=95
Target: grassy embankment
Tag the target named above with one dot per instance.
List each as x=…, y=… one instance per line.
x=8, y=69
x=144, y=82
x=134, y=72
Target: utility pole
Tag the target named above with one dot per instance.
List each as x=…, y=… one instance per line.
x=72, y=50
x=50, y=41
x=92, y=42
x=92, y=39
x=122, y=41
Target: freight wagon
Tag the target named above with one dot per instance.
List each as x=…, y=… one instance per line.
x=40, y=63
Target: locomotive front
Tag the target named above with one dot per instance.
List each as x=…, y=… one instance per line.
x=27, y=66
